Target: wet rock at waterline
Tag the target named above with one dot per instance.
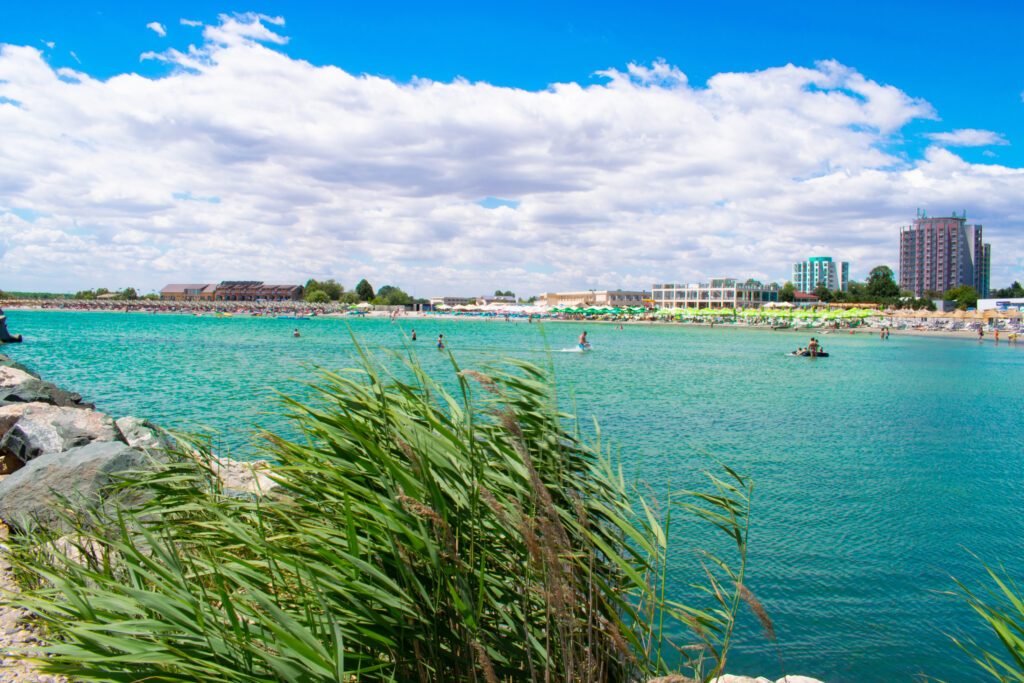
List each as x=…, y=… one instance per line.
x=42, y=428
x=80, y=478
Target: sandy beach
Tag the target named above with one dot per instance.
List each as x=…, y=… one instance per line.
x=337, y=311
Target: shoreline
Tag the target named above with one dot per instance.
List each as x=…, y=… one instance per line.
x=963, y=335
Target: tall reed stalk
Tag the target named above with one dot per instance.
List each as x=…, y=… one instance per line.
x=999, y=604
x=418, y=535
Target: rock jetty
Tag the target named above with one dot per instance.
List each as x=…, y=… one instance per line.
x=56, y=449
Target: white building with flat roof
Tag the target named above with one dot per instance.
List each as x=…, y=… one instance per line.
x=1003, y=304
x=718, y=293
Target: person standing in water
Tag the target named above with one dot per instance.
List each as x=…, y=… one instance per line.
x=440, y=341
x=584, y=344
x=414, y=335
x=296, y=333
x=812, y=347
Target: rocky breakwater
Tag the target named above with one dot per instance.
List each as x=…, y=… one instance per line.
x=5, y=336
x=57, y=450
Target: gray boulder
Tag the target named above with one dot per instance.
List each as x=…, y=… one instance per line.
x=143, y=434
x=9, y=362
x=19, y=385
x=9, y=415
x=80, y=478
x=38, y=391
x=244, y=479
x=11, y=376
x=42, y=428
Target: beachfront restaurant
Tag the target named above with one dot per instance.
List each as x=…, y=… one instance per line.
x=252, y=290
x=718, y=293
x=188, y=292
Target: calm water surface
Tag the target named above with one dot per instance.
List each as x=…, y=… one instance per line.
x=875, y=470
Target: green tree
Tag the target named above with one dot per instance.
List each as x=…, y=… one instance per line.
x=507, y=292
x=330, y=287
x=317, y=296
x=788, y=292
x=128, y=293
x=349, y=298
x=1014, y=291
x=823, y=293
x=856, y=290
x=364, y=290
x=389, y=295
x=85, y=294
x=965, y=296
x=882, y=283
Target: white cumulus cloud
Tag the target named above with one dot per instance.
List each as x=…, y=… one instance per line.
x=968, y=137
x=242, y=162
x=157, y=28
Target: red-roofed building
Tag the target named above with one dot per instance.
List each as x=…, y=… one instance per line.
x=193, y=292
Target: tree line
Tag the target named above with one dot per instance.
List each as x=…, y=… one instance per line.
x=881, y=288
x=126, y=294
x=326, y=291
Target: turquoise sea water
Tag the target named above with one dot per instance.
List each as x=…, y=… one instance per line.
x=876, y=469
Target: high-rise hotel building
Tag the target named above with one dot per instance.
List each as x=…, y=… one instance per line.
x=821, y=270
x=938, y=254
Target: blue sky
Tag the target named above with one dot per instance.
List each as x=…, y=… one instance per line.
x=924, y=108
x=964, y=58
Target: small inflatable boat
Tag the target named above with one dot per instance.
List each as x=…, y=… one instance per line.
x=821, y=354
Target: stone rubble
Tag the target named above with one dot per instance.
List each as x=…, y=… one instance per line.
x=15, y=633
x=52, y=443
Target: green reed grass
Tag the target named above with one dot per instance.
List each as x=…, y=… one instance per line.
x=999, y=603
x=417, y=535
